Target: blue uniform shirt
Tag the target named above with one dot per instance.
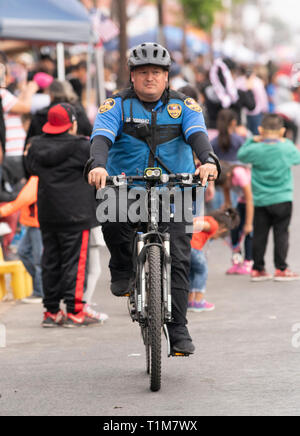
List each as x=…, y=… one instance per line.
x=171, y=123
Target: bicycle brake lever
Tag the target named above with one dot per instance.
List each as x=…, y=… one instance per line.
x=120, y=180
x=187, y=179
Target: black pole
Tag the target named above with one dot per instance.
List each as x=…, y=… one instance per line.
x=161, y=36
x=123, y=75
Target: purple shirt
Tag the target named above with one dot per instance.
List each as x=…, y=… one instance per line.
x=230, y=155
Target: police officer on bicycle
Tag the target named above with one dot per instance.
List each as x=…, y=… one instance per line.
x=177, y=128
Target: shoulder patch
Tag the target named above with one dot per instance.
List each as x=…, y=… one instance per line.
x=192, y=104
x=174, y=110
x=107, y=105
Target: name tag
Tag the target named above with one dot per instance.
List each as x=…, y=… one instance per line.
x=137, y=120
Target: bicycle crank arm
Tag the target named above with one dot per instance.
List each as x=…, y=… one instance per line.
x=165, y=328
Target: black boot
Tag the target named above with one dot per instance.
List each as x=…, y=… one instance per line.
x=180, y=339
x=120, y=288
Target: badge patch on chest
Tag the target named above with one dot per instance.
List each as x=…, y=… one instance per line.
x=107, y=105
x=192, y=104
x=174, y=110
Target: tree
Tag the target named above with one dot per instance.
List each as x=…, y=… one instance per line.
x=202, y=12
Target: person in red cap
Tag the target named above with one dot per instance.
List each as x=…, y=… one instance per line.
x=66, y=213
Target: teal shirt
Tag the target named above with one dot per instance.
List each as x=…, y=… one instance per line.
x=272, y=179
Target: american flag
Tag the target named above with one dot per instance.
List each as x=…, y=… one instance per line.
x=104, y=28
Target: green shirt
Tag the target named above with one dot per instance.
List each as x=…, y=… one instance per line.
x=272, y=179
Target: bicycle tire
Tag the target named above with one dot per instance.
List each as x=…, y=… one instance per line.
x=154, y=316
x=145, y=337
x=147, y=347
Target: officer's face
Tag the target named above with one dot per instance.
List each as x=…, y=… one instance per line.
x=149, y=82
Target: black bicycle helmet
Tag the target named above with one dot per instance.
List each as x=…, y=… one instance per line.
x=149, y=53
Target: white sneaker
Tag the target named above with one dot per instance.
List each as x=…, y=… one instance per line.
x=93, y=313
x=32, y=300
x=5, y=229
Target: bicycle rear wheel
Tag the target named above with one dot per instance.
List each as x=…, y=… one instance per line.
x=154, y=317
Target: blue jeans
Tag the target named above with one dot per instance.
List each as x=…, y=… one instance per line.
x=253, y=122
x=218, y=200
x=30, y=252
x=198, y=271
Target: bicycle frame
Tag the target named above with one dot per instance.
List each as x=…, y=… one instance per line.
x=143, y=242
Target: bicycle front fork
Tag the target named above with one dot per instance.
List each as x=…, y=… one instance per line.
x=166, y=277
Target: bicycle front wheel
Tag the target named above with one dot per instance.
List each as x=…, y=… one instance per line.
x=154, y=316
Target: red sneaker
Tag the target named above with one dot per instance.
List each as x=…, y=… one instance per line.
x=81, y=319
x=285, y=276
x=260, y=276
x=53, y=319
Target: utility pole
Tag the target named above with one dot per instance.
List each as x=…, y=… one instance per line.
x=122, y=79
x=184, y=37
x=161, y=35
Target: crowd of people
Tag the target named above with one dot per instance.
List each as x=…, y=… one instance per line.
x=31, y=99
x=251, y=115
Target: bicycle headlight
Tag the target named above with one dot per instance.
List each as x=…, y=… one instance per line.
x=153, y=173
x=149, y=173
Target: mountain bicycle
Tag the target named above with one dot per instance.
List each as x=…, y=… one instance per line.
x=149, y=300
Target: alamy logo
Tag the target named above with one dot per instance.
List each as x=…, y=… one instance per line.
x=160, y=205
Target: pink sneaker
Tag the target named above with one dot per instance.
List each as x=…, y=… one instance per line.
x=203, y=306
x=233, y=270
x=190, y=305
x=244, y=268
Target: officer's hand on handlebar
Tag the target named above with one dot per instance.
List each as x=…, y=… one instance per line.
x=97, y=177
x=207, y=172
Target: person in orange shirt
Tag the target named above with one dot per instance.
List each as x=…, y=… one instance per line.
x=31, y=246
x=214, y=226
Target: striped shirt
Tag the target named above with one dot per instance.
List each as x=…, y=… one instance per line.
x=15, y=133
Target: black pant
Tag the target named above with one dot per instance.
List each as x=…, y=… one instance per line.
x=278, y=217
x=237, y=232
x=64, y=269
x=119, y=238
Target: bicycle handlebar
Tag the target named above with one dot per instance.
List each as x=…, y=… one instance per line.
x=187, y=179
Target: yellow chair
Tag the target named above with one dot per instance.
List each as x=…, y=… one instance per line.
x=21, y=281
x=2, y=287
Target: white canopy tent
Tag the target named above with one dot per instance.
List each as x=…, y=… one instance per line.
x=51, y=21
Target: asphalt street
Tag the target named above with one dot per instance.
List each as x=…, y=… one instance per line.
x=247, y=356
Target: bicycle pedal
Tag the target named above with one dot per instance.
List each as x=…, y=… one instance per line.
x=177, y=354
